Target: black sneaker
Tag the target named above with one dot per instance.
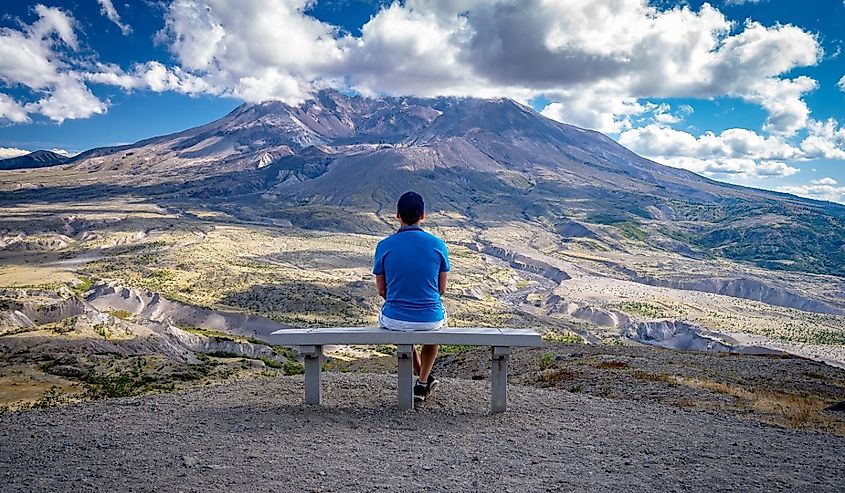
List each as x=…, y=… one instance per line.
x=423, y=391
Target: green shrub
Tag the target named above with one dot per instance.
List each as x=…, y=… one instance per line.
x=388, y=349
x=454, y=348
x=293, y=368
x=121, y=314
x=224, y=354
x=65, y=326
x=565, y=337
x=52, y=397
x=546, y=360
x=82, y=287
x=102, y=330
x=114, y=385
x=271, y=362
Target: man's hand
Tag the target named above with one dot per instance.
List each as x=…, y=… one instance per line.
x=381, y=285
x=442, y=282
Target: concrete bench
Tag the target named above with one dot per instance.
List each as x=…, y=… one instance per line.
x=311, y=342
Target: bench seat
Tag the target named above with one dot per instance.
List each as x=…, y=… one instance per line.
x=311, y=341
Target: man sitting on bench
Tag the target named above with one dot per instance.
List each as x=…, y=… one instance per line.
x=411, y=267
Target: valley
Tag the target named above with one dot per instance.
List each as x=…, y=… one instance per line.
x=158, y=266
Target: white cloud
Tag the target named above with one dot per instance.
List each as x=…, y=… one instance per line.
x=54, y=20
x=825, y=140
x=255, y=49
x=31, y=58
x=64, y=152
x=823, y=181
x=595, y=61
x=68, y=99
x=781, y=98
x=841, y=83
x=663, y=116
x=591, y=109
x=598, y=62
x=7, y=152
x=12, y=110
x=735, y=151
x=152, y=76
x=107, y=8
x=824, y=188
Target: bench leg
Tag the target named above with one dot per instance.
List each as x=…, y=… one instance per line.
x=499, y=379
x=313, y=374
x=404, y=353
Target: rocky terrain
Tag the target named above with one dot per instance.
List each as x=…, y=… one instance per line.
x=258, y=435
x=158, y=265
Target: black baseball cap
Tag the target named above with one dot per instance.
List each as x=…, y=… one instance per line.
x=410, y=204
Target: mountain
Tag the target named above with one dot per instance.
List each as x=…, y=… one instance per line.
x=477, y=161
x=37, y=159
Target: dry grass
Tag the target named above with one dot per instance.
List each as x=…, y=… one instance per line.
x=781, y=408
x=555, y=375
x=653, y=377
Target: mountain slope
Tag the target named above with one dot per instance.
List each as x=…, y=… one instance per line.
x=484, y=160
x=37, y=159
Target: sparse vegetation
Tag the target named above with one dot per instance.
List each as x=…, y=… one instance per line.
x=64, y=326
x=52, y=397
x=546, y=360
x=82, y=286
x=388, y=349
x=293, y=368
x=121, y=314
x=641, y=308
x=454, y=348
x=564, y=337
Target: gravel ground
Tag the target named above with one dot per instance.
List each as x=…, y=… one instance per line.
x=257, y=435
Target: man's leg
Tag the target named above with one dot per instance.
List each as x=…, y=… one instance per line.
x=429, y=352
x=417, y=365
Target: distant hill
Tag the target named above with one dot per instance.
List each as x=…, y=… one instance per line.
x=37, y=159
x=485, y=160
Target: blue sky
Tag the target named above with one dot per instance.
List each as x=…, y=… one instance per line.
x=751, y=92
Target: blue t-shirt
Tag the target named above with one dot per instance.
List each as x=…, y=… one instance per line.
x=411, y=261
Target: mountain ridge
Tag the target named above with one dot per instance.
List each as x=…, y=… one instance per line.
x=485, y=160
x=35, y=159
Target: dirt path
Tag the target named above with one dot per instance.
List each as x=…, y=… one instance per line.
x=257, y=436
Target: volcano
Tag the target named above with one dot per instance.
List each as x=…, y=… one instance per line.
x=479, y=161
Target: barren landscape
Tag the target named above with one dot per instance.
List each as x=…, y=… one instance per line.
x=234, y=436
x=158, y=267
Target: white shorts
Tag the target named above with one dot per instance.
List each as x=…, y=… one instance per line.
x=401, y=325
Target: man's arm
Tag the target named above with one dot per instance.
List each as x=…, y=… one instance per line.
x=442, y=282
x=381, y=285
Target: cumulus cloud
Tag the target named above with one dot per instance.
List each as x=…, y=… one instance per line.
x=107, y=9
x=64, y=152
x=153, y=76
x=841, y=83
x=255, y=49
x=825, y=140
x=825, y=188
x=12, y=111
x=597, y=62
x=781, y=98
x=32, y=58
x=7, y=152
x=735, y=151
